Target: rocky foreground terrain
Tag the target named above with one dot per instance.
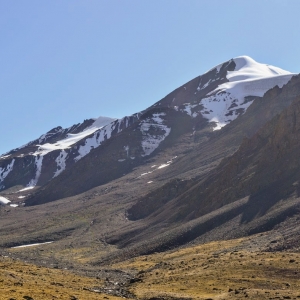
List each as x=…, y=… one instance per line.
x=234, y=269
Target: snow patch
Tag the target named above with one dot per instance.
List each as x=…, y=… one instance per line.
x=31, y=245
x=188, y=109
x=38, y=163
x=26, y=189
x=143, y=174
x=223, y=108
x=154, y=132
x=4, y=200
x=96, y=140
x=61, y=162
x=101, y=135
x=126, y=148
x=163, y=166
x=6, y=170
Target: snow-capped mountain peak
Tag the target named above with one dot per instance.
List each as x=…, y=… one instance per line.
x=226, y=91
x=252, y=69
x=219, y=96
x=248, y=79
x=247, y=69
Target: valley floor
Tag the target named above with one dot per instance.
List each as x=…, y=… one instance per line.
x=217, y=270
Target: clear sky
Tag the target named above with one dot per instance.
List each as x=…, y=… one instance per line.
x=65, y=61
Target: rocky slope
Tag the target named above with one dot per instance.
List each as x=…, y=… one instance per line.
x=265, y=168
x=104, y=149
x=221, y=181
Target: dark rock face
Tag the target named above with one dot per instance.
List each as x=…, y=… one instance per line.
x=266, y=168
x=247, y=172
x=197, y=88
x=155, y=200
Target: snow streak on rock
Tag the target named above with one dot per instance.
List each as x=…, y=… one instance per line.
x=5, y=171
x=154, y=132
x=104, y=134
x=126, y=148
x=38, y=163
x=31, y=245
x=61, y=162
x=95, y=141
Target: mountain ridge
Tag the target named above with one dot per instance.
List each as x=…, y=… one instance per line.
x=165, y=179
x=200, y=99
x=200, y=184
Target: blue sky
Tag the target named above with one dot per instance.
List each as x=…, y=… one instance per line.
x=65, y=61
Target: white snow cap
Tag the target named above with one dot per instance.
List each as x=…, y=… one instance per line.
x=247, y=71
x=249, y=78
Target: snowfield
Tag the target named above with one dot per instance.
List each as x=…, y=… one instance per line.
x=225, y=103
x=249, y=78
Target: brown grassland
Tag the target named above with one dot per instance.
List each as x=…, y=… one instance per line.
x=217, y=270
x=19, y=280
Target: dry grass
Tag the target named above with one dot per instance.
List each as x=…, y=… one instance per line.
x=19, y=280
x=217, y=271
